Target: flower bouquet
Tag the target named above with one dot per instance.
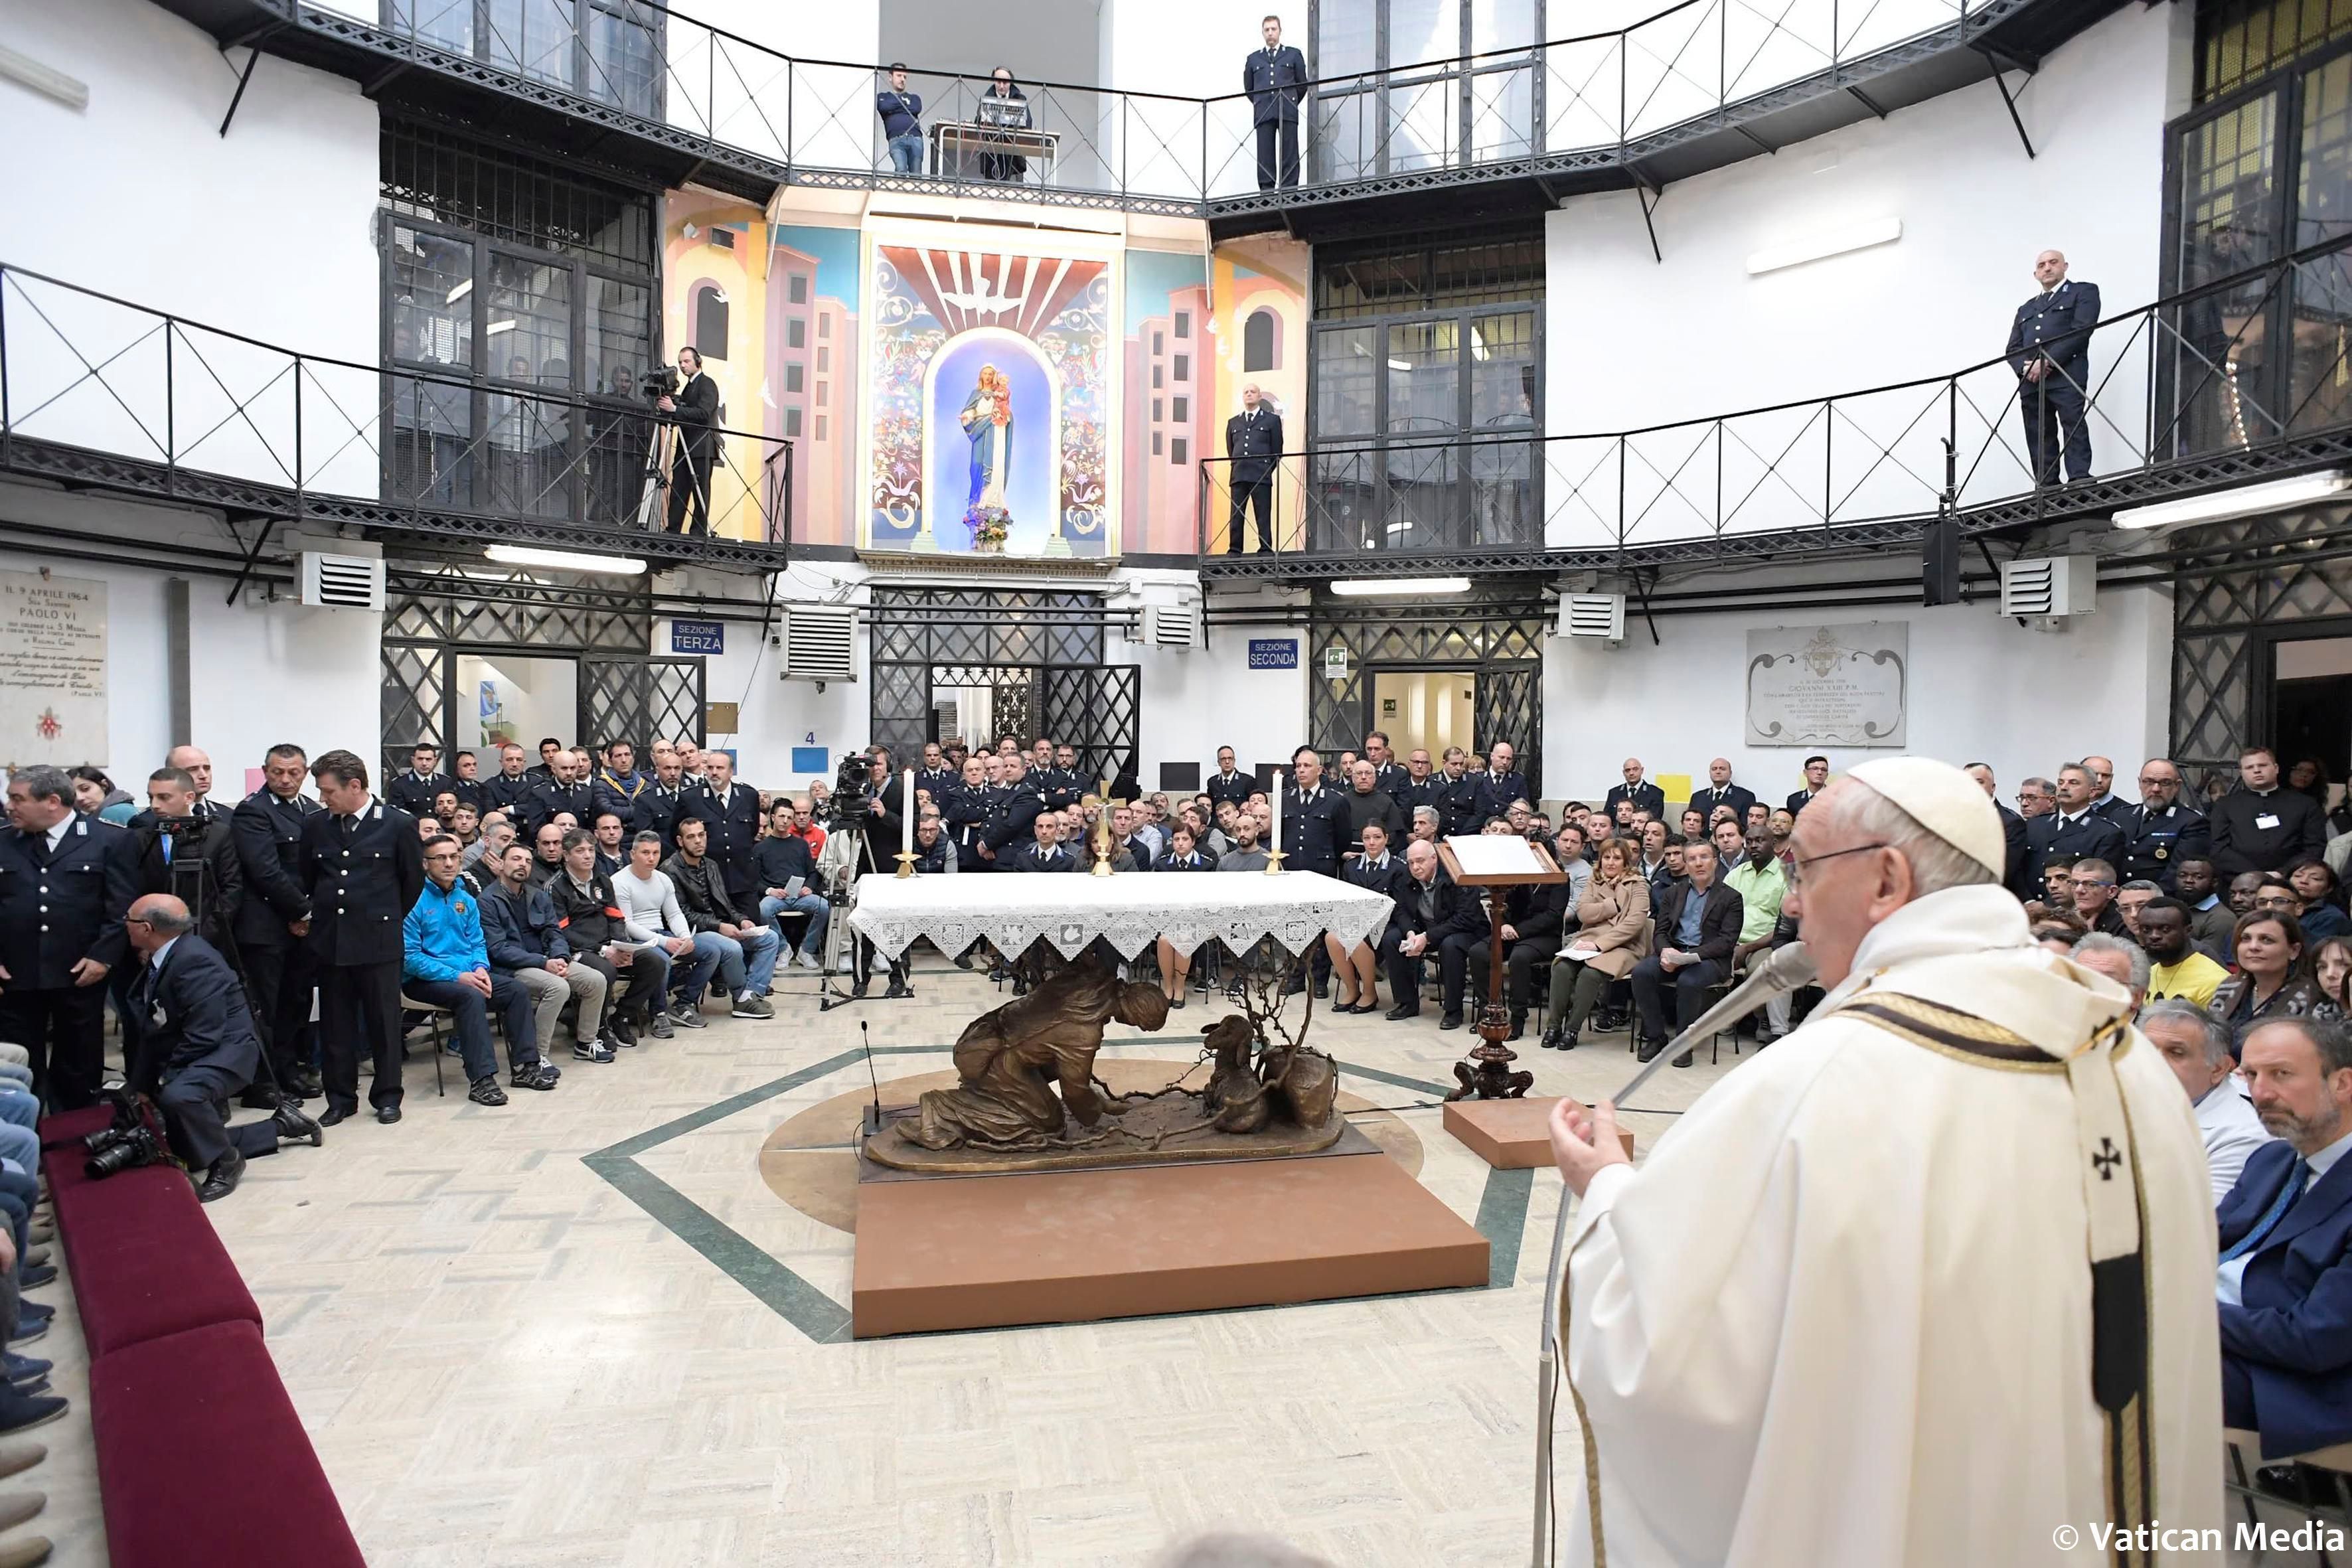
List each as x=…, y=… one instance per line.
x=989, y=525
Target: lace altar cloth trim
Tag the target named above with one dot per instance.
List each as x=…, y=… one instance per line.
x=1128, y=911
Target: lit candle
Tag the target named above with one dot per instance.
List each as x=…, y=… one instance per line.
x=1276, y=801
x=907, y=822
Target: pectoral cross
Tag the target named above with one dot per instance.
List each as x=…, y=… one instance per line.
x=2107, y=1160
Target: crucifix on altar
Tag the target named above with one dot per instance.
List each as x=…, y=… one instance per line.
x=1494, y=863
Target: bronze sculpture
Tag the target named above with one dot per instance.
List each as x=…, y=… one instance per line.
x=1027, y=1097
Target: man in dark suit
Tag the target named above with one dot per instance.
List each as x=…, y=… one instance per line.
x=168, y=841
x=2286, y=1237
x=1720, y=791
x=2012, y=833
x=2072, y=829
x=65, y=884
x=1432, y=908
x=730, y=815
x=362, y=866
x=2050, y=349
x=197, y=1047
x=1314, y=819
x=510, y=788
x=1013, y=813
x=1276, y=80
x=2161, y=830
x=2259, y=826
x=1539, y=912
x=194, y=761
x=280, y=971
x=1697, y=925
x=1817, y=779
x=1454, y=793
x=1228, y=782
x=663, y=801
x=1502, y=783
x=413, y=791
x=1253, y=442
x=1645, y=796
x=566, y=788
x=695, y=412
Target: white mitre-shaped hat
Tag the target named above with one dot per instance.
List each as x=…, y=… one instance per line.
x=1945, y=801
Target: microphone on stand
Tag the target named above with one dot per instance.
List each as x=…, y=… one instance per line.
x=1787, y=970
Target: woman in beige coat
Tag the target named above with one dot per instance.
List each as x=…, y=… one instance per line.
x=1614, y=917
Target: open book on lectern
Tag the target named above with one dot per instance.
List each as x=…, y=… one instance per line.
x=1498, y=857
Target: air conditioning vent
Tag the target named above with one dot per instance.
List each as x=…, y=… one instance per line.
x=2050, y=585
x=1594, y=616
x=820, y=642
x=342, y=582
x=1171, y=626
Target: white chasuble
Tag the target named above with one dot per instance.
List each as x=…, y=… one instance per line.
x=1843, y=1314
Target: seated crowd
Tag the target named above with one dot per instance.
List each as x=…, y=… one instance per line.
x=592, y=901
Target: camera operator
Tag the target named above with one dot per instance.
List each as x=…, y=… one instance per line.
x=274, y=916
x=178, y=852
x=694, y=409
x=200, y=1047
x=65, y=881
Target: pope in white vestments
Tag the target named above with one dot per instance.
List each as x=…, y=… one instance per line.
x=1844, y=1314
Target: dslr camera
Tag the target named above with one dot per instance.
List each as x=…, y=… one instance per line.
x=134, y=1138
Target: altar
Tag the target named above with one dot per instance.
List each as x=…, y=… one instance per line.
x=1128, y=911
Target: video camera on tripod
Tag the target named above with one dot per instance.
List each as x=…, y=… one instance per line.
x=661, y=381
x=850, y=806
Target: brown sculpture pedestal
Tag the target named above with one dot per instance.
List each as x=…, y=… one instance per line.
x=1064, y=1246
x=1510, y=1134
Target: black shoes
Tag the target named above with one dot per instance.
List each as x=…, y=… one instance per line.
x=1650, y=1048
x=1518, y=1027
x=619, y=1032
x=306, y=1086
x=485, y=1091
x=256, y=1098
x=335, y=1115
x=222, y=1179
x=1683, y=1061
x=1398, y=1013
x=1450, y=1021
x=387, y=1114
x=535, y=1075
x=895, y=989
x=293, y=1127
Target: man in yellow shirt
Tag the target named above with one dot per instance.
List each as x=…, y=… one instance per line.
x=2178, y=968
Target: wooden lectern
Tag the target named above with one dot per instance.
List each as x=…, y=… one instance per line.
x=1497, y=863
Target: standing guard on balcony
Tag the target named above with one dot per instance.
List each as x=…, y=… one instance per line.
x=1276, y=80
x=2050, y=349
x=1253, y=442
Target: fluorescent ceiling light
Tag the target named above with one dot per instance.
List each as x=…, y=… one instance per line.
x=2245, y=501
x=566, y=560
x=495, y=328
x=459, y=292
x=1400, y=364
x=1837, y=242
x=1397, y=587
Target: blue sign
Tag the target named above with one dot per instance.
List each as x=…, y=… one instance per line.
x=1274, y=653
x=697, y=636
x=810, y=760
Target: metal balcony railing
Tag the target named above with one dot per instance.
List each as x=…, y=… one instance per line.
x=98, y=390
x=2248, y=375
x=1599, y=101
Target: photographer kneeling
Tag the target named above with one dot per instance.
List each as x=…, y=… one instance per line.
x=198, y=1048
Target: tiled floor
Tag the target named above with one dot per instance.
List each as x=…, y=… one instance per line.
x=505, y=1359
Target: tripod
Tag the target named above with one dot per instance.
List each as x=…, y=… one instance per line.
x=661, y=450
x=845, y=860
x=192, y=885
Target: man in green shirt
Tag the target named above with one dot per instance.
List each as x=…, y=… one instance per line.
x=1762, y=882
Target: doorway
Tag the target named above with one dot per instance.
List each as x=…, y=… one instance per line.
x=1428, y=709
x=511, y=697
x=2311, y=706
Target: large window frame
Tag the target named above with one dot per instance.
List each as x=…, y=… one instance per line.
x=458, y=446
x=2221, y=381
x=1489, y=107
x=485, y=30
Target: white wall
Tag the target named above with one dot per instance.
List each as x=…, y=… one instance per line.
x=1982, y=688
x=719, y=86
x=1633, y=343
x=268, y=231
x=1194, y=702
x=260, y=672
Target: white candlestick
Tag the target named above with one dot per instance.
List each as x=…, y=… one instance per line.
x=1278, y=810
x=907, y=825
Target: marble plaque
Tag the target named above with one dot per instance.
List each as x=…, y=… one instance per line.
x=1846, y=684
x=52, y=669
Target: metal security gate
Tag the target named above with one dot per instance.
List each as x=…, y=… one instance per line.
x=1039, y=653
x=1497, y=634
x=637, y=696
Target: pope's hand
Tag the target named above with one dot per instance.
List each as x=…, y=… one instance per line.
x=1583, y=1140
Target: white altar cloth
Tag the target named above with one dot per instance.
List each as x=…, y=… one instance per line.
x=1130, y=910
